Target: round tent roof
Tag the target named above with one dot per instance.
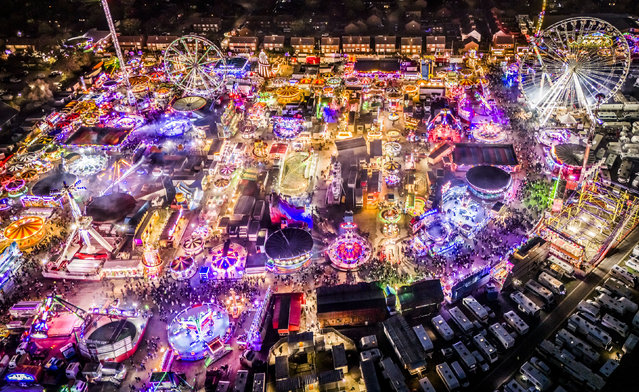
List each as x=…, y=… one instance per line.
x=288, y=243
x=487, y=178
x=24, y=228
x=110, y=208
x=182, y=263
x=52, y=182
x=570, y=154
x=189, y=104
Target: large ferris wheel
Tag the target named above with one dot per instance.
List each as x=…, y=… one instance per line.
x=195, y=65
x=574, y=64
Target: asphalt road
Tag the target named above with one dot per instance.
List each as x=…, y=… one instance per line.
x=513, y=360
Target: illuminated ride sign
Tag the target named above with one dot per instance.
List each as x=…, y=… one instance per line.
x=20, y=377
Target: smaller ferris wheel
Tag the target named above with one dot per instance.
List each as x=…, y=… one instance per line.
x=195, y=65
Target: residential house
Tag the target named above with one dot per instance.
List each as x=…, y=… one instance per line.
x=303, y=44
x=20, y=44
x=435, y=44
x=243, y=44
x=413, y=27
x=329, y=45
x=356, y=44
x=273, y=43
x=131, y=42
x=410, y=46
x=470, y=43
x=469, y=29
x=159, y=42
x=284, y=22
x=207, y=24
x=385, y=44
x=502, y=45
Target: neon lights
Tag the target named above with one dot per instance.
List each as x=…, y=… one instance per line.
x=287, y=127
x=349, y=251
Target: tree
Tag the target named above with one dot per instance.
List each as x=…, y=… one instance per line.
x=130, y=26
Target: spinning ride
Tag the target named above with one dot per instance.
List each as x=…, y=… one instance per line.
x=190, y=63
x=488, y=132
x=84, y=165
x=575, y=64
x=349, y=251
x=287, y=128
x=444, y=126
x=182, y=268
x=175, y=128
x=198, y=330
x=464, y=213
x=82, y=225
x=229, y=260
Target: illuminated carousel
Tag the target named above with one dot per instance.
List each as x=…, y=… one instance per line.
x=175, y=128
x=391, y=173
x=433, y=234
x=287, y=128
x=488, y=132
x=198, y=331
x=15, y=187
x=288, y=94
x=221, y=183
x=84, y=165
x=182, y=268
x=193, y=245
x=464, y=213
x=26, y=232
x=189, y=104
x=349, y=251
x=229, y=261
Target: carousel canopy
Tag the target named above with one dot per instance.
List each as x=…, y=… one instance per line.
x=24, y=228
x=110, y=208
x=572, y=154
x=181, y=264
x=489, y=178
x=288, y=243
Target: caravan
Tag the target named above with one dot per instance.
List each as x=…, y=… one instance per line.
x=552, y=283
x=516, y=322
x=525, y=304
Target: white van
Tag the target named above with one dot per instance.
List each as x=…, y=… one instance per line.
x=72, y=370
